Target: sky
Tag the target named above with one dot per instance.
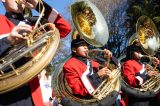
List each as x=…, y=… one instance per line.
x=60, y=5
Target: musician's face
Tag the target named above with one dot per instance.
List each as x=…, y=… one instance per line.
x=82, y=50
x=137, y=55
x=12, y=6
x=146, y=24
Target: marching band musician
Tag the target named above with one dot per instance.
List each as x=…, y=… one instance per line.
x=75, y=67
x=30, y=94
x=135, y=74
x=158, y=69
x=158, y=56
x=14, y=12
x=9, y=34
x=82, y=74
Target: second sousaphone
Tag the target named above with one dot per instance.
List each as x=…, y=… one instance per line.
x=147, y=35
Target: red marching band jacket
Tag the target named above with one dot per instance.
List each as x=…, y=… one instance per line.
x=134, y=73
x=74, y=71
x=6, y=26
x=64, y=28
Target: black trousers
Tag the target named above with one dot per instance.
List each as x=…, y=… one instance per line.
x=133, y=101
x=18, y=97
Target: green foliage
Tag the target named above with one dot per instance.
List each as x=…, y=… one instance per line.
x=121, y=17
x=122, y=23
x=156, y=19
x=138, y=8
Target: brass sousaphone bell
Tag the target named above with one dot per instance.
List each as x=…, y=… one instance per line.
x=92, y=27
x=147, y=35
x=90, y=23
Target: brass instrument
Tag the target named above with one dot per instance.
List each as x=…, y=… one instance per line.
x=110, y=84
x=90, y=23
x=39, y=51
x=147, y=37
x=19, y=1
x=151, y=84
x=154, y=81
x=91, y=27
x=27, y=12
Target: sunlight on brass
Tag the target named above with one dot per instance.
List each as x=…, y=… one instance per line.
x=41, y=48
x=90, y=23
x=148, y=35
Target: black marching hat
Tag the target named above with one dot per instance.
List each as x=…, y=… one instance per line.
x=78, y=42
x=134, y=48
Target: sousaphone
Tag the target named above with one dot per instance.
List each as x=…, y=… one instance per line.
x=148, y=38
x=147, y=35
x=39, y=50
x=92, y=27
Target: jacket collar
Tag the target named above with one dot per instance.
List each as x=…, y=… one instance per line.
x=18, y=16
x=14, y=17
x=83, y=59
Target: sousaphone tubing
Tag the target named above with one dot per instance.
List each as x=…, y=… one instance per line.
x=33, y=55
